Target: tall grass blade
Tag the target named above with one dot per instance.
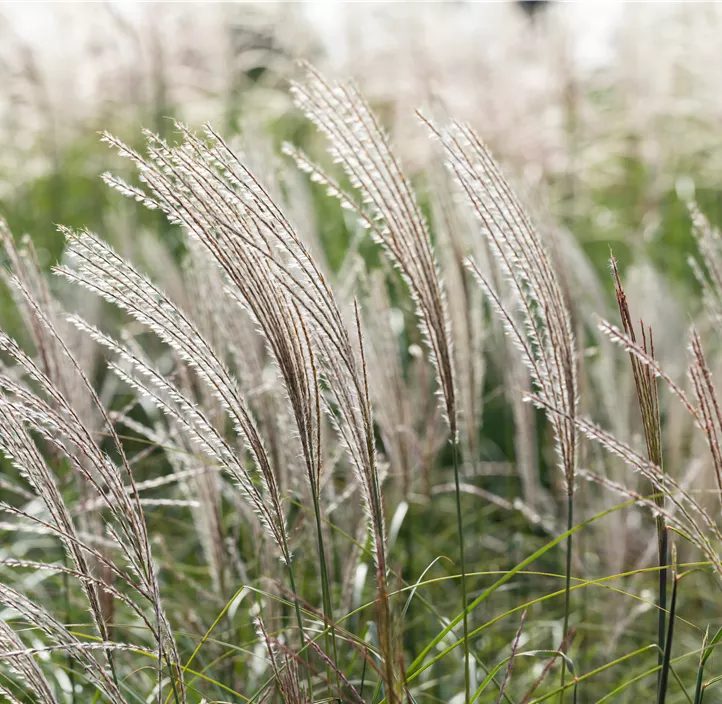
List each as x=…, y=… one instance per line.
x=667, y=660
x=708, y=647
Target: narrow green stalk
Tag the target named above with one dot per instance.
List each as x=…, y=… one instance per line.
x=113, y=673
x=662, y=602
x=70, y=660
x=699, y=687
x=299, y=622
x=707, y=648
x=330, y=632
x=667, y=658
x=110, y=656
x=172, y=677
x=407, y=574
x=460, y=526
x=567, y=587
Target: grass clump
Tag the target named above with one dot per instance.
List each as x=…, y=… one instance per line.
x=241, y=488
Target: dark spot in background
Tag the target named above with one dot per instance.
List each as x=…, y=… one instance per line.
x=533, y=8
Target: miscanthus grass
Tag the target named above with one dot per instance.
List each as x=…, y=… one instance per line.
x=236, y=489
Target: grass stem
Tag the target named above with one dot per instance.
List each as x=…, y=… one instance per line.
x=70, y=659
x=330, y=631
x=299, y=622
x=464, y=598
x=567, y=586
x=662, y=601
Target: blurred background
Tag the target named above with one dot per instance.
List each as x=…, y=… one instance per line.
x=603, y=110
